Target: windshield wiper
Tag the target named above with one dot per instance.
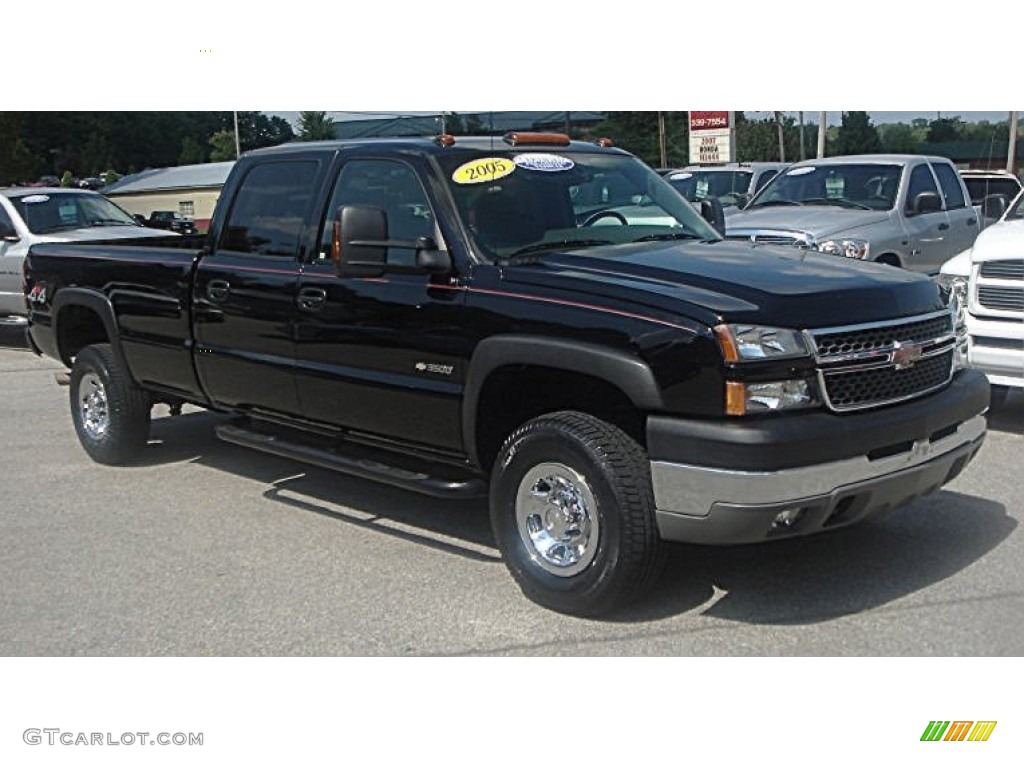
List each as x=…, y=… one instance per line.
x=766, y=203
x=107, y=222
x=671, y=236
x=560, y=244
x=842, y=202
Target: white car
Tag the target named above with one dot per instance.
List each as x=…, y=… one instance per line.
x=989, y=278
x=34, y=215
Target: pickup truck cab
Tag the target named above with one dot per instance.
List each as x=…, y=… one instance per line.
x=905, y=210
x=51, y=215
x=543, y=322
x=732, y=183
x=989, y=280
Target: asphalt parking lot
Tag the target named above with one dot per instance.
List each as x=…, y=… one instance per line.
x=204, y=548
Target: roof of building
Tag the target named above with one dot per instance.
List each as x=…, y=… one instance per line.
x=180, y=177
x=478, y=122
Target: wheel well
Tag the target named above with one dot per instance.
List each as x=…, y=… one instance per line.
x=889, y=258
x=514, y=394
x=77, y=328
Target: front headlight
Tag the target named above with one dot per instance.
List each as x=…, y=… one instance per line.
x=745, y=398
x=954, y=286
x=753, y=342
x=851, y=247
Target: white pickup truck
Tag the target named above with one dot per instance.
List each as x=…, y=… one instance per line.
x=53, y=215
x=990, y=278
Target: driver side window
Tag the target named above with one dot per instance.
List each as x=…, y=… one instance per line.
x=921, y=180
x=394, y=188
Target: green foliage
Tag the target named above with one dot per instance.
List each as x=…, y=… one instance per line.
x=758, y=140
x=109, y=176
x=945, y=129
x=857, y=135
x=67, y=180
x=222, y=146
x=900, y=138
x=192, y=152
x=315, y=126
x=637, y=132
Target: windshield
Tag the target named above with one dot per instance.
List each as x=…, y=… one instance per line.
x=523, y=201
x=1017, y=209
x=866, y=186
x=54, y=211
x=727, y=186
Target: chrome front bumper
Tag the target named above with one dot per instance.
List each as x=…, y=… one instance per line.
x=720, y=506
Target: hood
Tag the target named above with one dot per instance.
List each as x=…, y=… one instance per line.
x=816, y=220
x=735, y=282
x=86, y=234
x=1003, y=240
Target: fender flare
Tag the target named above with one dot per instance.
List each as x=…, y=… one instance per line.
x=627, y=372
x=98, y=303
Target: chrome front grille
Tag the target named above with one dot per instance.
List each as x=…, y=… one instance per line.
x=998, y=297
x=770, y=237
x=1011, y=269
x=875, y=364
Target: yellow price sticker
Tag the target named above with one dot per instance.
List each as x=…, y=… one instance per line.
x=482, y=170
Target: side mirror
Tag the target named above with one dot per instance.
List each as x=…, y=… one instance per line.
x=927, y=202
x=993, y=206
x=140, y=218
x=742, y=198
x=360, y=243
x=712, y=212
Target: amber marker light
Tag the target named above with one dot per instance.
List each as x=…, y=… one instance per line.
x=727, y=343
x=521, y=137
x=735, y=398
x=604, y=141
x=336, y=243
x=445, y=139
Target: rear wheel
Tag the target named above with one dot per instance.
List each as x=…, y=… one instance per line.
x=573, y=512
x=110, y=413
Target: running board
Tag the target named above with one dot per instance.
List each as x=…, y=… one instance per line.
x=356, y=461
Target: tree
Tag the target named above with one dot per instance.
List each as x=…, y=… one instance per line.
x=222, y=146
x=67, y=180
x=857, y=135
x=759, y=139
x=945, y=129
x=898, y=138
x=192, y=152
x=315, y=126
x=637, y=132
x=256, y=130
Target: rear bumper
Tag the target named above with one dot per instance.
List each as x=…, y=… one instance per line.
x=875, y=461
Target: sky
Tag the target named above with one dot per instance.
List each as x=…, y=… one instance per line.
x=833, y=118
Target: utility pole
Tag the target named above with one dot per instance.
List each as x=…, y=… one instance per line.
x=1011, y=152
x=661, y=139
x=803, y=154
x=238, y=143
x=821, y=134
x=782, y=144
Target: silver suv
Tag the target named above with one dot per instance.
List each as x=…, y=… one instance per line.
x=910, y=211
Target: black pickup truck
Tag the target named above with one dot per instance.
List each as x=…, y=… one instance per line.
x=544, y=320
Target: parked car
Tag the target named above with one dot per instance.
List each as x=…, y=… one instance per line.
x=733, y=183
x=989, y=280
x=997, y=187
x=90, y=182
x=909, y=211
x=455, y=317
x=52, y=215
x=171, y=220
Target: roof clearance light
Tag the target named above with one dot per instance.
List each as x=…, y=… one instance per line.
x=604, y=141
x=445, y=139
x=519, y=137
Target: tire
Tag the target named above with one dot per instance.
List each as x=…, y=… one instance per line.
x=110, y=413
x=997, y=396
x=605, y=551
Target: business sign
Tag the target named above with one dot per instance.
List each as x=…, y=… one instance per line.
x=712, y=137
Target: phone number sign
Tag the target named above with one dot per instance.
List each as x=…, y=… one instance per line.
x=712, y=137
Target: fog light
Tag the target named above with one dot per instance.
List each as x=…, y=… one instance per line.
x=787, y=518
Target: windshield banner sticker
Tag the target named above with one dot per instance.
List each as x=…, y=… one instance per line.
x=482, y=170
x=536, y=161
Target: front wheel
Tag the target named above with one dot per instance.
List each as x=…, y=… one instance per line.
x=111, y=414
x=573, y=513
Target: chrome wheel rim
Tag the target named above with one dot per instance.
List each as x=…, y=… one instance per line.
x=556, y=514
x=93, y=406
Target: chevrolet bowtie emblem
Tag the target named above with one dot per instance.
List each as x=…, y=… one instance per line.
x=905, y=354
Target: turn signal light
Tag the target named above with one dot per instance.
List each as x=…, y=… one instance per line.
x=735, y=398
x=445, y=139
